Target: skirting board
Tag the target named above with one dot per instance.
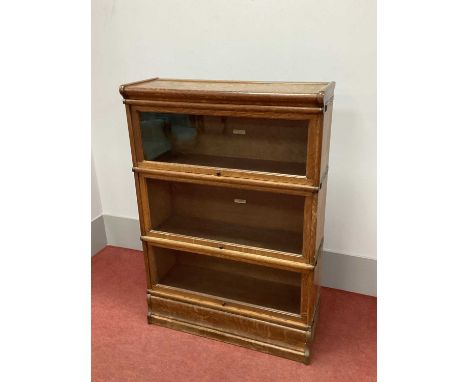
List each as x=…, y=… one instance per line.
x=350, y=273
x=98, y=235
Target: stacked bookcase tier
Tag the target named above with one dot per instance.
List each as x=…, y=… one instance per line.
x=277, y=148
x=228, y=280
x=251, y=218
x=231, y=187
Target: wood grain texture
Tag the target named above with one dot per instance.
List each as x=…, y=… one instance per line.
x=217, y=178
x=246, y=310
x=256, y=334
x=169, y=234
x=325, y=143
x=131, y=134
x=233, y=92
x=225, y=109
x=232, y=227
x=320, y=216
x=237, y=87
x=252, y=258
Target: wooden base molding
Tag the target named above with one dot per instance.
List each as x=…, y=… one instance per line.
x=267, y=337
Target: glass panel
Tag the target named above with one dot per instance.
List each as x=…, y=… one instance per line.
x=247, y=283
x=258, y=219
x=256, y=144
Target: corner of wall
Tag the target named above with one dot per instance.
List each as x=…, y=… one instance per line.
x=98, y=231
x=98, y=235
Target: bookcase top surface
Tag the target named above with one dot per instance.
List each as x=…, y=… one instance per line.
x=315, y=92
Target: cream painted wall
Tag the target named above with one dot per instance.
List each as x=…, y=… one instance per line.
x=246, y=40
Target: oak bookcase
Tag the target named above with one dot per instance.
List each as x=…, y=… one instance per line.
x=231, y=182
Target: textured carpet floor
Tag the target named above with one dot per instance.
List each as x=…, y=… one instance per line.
x=126, y=348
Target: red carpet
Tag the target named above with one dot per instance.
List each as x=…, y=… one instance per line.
x=126, y=348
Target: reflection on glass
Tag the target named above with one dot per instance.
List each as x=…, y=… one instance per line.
x=267, y=145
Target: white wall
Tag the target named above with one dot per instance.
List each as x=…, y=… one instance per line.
x=96, y=207
x=246, y=40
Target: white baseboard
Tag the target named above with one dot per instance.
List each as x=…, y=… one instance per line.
x=98, y=235
x=123, y=232
x=340, y=271
x=350, y=273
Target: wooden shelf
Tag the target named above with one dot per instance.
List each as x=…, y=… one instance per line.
x=260, y=237
x=232, y=286
x=269, y=166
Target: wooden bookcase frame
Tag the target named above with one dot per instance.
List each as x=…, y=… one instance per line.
x=283, y=333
